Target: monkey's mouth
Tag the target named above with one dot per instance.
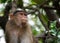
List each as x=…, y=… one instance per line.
x=24, y=24
x=24, y=21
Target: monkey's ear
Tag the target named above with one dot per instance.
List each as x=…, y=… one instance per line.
x=11, y=16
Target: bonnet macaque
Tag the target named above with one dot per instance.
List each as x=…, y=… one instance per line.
x=18, y=29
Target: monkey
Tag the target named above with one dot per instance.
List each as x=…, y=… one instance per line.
x=17, y=28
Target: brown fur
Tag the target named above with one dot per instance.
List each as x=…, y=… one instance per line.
x=16, y=34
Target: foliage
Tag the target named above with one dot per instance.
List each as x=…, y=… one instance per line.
x=55, y=32
x=37, y=1
x=3, y=1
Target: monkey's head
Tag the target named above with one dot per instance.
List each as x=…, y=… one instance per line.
x=19, y=17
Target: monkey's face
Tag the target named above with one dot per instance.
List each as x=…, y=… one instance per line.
x=21, y=18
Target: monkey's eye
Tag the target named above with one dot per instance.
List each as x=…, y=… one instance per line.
x=25, y=14
x=22, y=13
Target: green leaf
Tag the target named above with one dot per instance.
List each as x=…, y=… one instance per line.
x=3, y=1
x=37, y=1
x=20, y=3
x=53, y=25
x=34, y=32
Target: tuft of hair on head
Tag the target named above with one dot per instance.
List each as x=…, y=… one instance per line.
x=19, y=9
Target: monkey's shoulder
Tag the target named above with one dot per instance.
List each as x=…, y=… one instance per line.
x=9, y=26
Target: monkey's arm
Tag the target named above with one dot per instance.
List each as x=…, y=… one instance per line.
x=11, y=34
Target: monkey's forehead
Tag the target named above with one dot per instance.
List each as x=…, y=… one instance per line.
x=19, y=11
